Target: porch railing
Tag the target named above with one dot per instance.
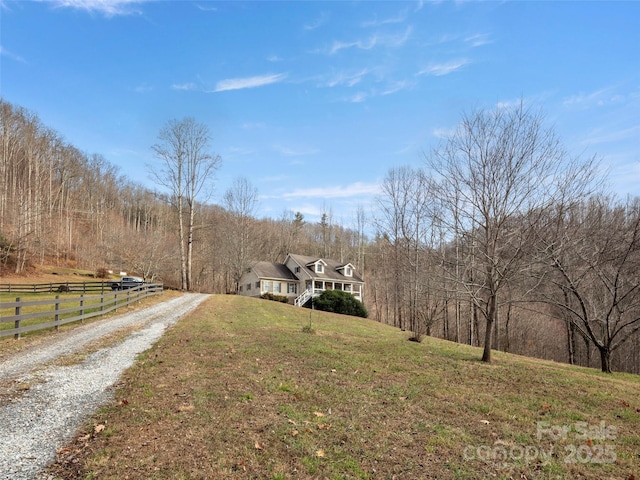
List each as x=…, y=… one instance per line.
x=302, y=299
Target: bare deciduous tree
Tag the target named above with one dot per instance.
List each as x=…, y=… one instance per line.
x=241, y=201
x=406, y=219
x=187, y=171
x=594, y=259
x=499, y=172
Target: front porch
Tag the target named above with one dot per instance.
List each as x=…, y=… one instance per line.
x=315, y=288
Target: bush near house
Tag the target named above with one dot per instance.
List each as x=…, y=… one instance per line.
x=275, y=298
x=338, y=301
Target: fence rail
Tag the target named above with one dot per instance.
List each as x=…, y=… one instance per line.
x=80, y=309
x=83, y=287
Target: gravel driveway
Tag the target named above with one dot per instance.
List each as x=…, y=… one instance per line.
x=44, y=404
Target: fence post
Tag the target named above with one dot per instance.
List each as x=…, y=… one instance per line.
x=17, y=322
x=57, y=316
x=82, y=308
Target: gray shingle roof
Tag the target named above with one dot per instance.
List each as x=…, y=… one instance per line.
x=273, y=270
x=331, y=271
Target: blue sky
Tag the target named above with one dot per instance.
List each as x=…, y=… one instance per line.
x=314, y=102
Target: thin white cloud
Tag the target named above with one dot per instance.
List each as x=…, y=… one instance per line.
x=249, y=82
x=6, y=53
x=309, y=210
x=184, y=86
x=396, y=87
x=478, y=40
x=324, y=16
x=443, y=133
x=409, y=148
x=207, y=8
x=347, y=79
x=124, y=152
x=624, y=175
x=239, y=151
x=337, y=191
x=253, y=125
x=616, y=136
x=274, y=179
x=377, y=40
x=440, y=69
x=508, y=104
x=358, y=97
x=295, y=151
x=109, y=8
x=399, y=18
x=363, y=45
x=599, y=98
x=143, y=88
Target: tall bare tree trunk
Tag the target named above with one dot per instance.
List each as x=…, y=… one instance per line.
x=187, y=169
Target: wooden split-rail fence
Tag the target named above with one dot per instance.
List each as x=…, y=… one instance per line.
x=36, y=314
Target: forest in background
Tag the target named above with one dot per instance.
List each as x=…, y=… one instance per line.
x=556, y=280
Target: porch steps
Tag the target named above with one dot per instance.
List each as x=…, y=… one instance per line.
x=302, y=299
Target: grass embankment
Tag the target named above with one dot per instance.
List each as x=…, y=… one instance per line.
x=49, y=275
x=238, y=390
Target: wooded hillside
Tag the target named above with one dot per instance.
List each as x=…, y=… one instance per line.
x=514, y=250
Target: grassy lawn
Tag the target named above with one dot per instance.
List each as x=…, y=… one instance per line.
x=239, y=390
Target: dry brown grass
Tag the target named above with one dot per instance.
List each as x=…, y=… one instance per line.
x=239, y=390
x=48, y=275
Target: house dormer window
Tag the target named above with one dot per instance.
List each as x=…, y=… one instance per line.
x=346, y=270
x=317, y=266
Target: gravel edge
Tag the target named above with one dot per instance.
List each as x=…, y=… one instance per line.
x=42, y=419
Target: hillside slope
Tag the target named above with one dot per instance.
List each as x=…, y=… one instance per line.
x=243, y=389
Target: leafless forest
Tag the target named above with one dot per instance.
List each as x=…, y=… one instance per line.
x=500, y=240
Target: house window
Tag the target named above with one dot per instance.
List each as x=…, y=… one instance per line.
x=240, y=288
x=347, y=271
x=291, y=288
x=266, y=286
x=248, y=286
x=258, y=284
x=276, y=287
x=319, y=268
x=347, y=287
x=297, y=269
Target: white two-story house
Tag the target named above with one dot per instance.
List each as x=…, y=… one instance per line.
x=301, y=278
